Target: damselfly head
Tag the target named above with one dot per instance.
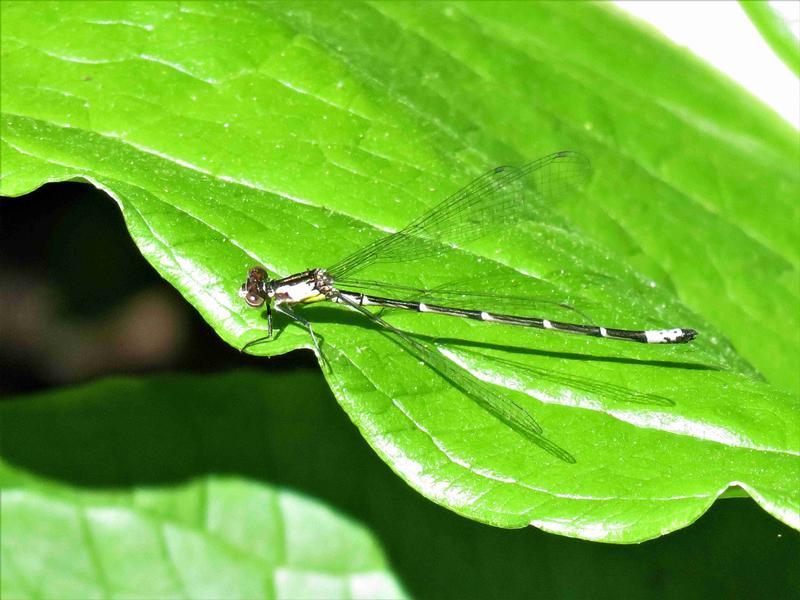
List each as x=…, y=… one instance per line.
x=256, y=290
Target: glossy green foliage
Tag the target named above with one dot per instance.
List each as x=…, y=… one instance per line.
x=154, y=448
x=202, y=457
x=290, y=135
x=776, y=32
x=125, y=498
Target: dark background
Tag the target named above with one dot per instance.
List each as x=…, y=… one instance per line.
x=78, y=301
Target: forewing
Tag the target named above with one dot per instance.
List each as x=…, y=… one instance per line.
x=544, y=303
x=493, y=201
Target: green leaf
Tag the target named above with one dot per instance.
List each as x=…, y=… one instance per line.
x=775, y=32
x=301, y=134
x=104, y=508
x=153, y=447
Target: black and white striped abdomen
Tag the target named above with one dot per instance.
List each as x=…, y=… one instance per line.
x=654, y=336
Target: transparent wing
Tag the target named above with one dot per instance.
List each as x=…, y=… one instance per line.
x=497, y=404
x=530, y=305
x=595, y=387
x=491, y=202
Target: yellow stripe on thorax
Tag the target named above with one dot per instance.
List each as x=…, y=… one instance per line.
x=310, y=299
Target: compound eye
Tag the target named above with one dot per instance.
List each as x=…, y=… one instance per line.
x=257, y=274
x=253, y=299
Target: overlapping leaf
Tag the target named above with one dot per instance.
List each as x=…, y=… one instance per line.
x=171, y=527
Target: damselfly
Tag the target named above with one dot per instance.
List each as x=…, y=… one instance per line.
x=493, y=201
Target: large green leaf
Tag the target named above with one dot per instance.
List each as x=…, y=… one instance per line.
x=121, y=500
x=289, y=135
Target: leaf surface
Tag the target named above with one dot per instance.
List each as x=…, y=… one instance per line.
x=775, y=31
x=124, y=498
x=301, y=134
x=152, y=447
